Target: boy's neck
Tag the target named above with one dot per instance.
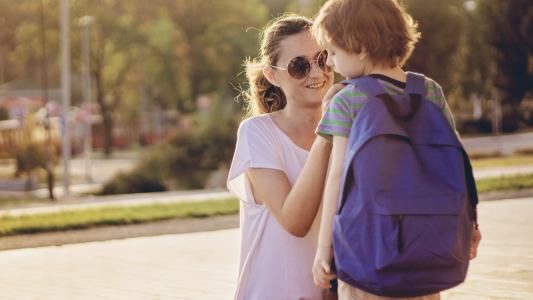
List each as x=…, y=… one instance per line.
x=395, y=73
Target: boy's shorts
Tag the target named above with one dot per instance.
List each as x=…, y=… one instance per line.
x=348, y=292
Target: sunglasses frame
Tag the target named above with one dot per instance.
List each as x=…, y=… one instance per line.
x=309, y=61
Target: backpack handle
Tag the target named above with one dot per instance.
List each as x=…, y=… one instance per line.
x=414, y=99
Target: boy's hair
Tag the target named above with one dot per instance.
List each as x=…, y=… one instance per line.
x=382, y=27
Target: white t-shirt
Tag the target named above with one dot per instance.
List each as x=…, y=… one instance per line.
x=273, y=263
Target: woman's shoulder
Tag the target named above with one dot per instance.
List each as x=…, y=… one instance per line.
x=259, y=123
x=258, y=127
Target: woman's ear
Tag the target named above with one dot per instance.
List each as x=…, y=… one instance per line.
x=268, y=71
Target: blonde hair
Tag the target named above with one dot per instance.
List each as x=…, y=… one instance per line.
x=263, y=97
x=382, y=27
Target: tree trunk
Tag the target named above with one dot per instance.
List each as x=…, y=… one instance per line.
x=107, y=115
x=108, y=128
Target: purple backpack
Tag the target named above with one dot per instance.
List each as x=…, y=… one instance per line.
x=407, y=204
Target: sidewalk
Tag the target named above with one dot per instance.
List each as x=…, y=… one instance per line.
x=506, y=144
x=204, y=265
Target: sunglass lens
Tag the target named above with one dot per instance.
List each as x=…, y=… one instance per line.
x=321, y=61
x=298, y=67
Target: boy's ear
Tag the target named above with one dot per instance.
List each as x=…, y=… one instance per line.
x=268, y=71
x=363, y=54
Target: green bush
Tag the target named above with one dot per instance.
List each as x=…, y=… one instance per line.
x=29, y=156
x=134, y=182
x=184, y=160
x=524, y=151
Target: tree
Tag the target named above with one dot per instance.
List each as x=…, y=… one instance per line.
x=4, y=113
x=508, y=29
x=439, y=22
x=198, y=47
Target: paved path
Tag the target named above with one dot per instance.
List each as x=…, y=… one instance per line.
x=506, y=144
x=504, y=267
x=204, y=265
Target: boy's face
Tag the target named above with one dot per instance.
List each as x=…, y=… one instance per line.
x=348, y=65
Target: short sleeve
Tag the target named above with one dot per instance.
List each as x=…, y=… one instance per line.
x=256, y=148
x=338, y=118
x=434, y=93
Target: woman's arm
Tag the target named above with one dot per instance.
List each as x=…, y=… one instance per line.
x=321, y=267
x=294, y=207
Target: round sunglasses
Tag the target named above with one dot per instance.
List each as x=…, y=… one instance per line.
x=300, y=67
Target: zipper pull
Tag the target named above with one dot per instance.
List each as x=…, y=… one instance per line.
x=400, y=233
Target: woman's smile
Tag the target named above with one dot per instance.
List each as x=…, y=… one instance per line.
x=316, y=86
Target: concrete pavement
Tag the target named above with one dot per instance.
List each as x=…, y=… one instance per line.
x=506, y=144
x=204, y=265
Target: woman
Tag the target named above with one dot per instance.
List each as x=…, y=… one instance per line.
x=280, y=195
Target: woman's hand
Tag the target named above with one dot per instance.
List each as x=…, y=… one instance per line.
x=322, y=267
x=334, y=89
x=476, y=238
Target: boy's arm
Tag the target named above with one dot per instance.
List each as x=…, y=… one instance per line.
x=321, y=267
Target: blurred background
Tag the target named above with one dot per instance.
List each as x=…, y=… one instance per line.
x=155, y=85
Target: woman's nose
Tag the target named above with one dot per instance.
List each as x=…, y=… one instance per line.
x=315, y=70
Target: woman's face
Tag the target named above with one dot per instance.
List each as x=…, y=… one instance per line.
x=307, y=92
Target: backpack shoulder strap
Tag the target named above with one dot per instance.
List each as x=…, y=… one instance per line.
x=415, y=84
x=369, y=85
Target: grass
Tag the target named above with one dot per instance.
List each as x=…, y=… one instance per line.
x=125, y=215
x=14, y=200
x=114, y=215
x=505, y=161
x=505, y=183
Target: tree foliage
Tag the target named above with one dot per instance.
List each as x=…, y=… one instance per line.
x=143, y=54
x=508, y=30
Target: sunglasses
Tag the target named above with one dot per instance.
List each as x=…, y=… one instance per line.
x=300, y=67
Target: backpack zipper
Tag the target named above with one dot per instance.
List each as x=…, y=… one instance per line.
x=400, y=233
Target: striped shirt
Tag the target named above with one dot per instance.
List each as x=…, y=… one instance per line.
x=347, y=103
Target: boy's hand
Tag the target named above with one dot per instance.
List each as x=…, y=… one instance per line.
x=334, y=89
x=476, y=238
x=322, y=267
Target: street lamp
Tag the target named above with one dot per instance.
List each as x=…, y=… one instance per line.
x=84, y=23
x=65, y=87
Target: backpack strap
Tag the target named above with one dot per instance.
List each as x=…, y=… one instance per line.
x=415, y=84
x=370, y=86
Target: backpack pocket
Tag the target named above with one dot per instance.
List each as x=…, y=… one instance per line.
x=417, y=231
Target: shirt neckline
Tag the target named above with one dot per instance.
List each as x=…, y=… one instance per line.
x=285, y=135
x=392, y=81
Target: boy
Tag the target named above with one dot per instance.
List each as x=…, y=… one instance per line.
x=363, y=38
